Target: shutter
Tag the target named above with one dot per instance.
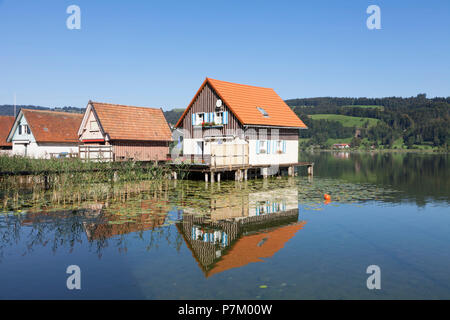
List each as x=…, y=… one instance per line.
x=193, y=119
x=257, y=146
x=268, y=143
x=225, y=117
x=284, y=146
x=212, y=116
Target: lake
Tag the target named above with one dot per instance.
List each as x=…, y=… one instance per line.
x=270, y=238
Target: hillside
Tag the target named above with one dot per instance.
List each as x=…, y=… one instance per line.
x=391, y=123
x=8, y=110
x=347, y=121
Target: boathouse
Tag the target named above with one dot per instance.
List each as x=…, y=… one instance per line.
x=6, y=123
x=229, y=126
x=45, y=134
x=117, y=132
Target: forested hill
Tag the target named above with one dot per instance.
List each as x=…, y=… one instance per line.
x=8, y=110
x=392, y=122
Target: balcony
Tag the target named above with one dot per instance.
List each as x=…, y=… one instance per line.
x=209, y=125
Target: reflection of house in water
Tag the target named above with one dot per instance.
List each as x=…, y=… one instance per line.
x=241, y=229
x=126, y=218
x=341, y=155
x=101, y=221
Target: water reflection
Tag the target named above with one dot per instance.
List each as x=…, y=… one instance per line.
x=421, y=177
x=241, y=228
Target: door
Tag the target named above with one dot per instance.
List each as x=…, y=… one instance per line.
x=200, y=147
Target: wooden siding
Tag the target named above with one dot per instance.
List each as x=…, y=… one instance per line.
x=265, y=134
x=141, y=151
x=206, y=102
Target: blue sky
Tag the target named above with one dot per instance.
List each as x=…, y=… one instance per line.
x=157, y=53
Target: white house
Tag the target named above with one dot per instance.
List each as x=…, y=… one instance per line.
x=45, y=134
x=232, y=124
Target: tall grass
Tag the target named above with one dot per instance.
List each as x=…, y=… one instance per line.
x=68, y=181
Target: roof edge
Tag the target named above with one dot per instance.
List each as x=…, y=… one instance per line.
x=206, y=81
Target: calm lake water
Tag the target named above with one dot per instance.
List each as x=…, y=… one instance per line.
x=261, y=239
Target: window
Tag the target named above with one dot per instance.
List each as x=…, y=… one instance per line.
x=24, y=129
x=200, y=118
x=279, y=146
x=93, y=126
x=218, y=118
x=262, y=146
x=263, y=112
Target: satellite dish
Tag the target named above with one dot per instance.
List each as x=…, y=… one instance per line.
x=218, y=103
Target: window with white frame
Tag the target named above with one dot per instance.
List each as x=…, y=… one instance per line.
x=93, y=126
x=200, y=118
x=218, y=118
x=279, y=145
x=24, y=129
x=262, y=146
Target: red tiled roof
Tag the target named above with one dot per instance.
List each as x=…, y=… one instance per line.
x=6, y=123
x=132, y=123
x=243, y=101
x=53, y=126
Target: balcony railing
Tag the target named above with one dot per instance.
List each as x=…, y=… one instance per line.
x=208, y=125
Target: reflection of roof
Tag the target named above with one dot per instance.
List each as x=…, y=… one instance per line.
x=53, y=126
x=114, y=227
x=6, y=123
x=252, y=248
x=132, y=123
x=146, y=216
x=243, y=101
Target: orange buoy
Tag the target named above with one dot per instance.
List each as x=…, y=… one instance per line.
x=327, y=197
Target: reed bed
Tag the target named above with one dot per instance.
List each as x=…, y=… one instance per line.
x=71, y=181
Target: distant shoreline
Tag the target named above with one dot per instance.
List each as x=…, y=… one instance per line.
x=431, y=151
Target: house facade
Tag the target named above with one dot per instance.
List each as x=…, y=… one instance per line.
x=233, y=123
x=6, y=123
x=44, y=134
x=125, y=132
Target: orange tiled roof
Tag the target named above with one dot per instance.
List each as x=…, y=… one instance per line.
x=243, y=101
x=132, y=123
x=6, y=123
x=246, y=250
x=53, y=126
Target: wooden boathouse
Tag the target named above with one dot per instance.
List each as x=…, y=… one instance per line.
x=240, y=130
x=114, y=132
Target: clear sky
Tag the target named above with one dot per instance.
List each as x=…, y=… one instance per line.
x=157, y=53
